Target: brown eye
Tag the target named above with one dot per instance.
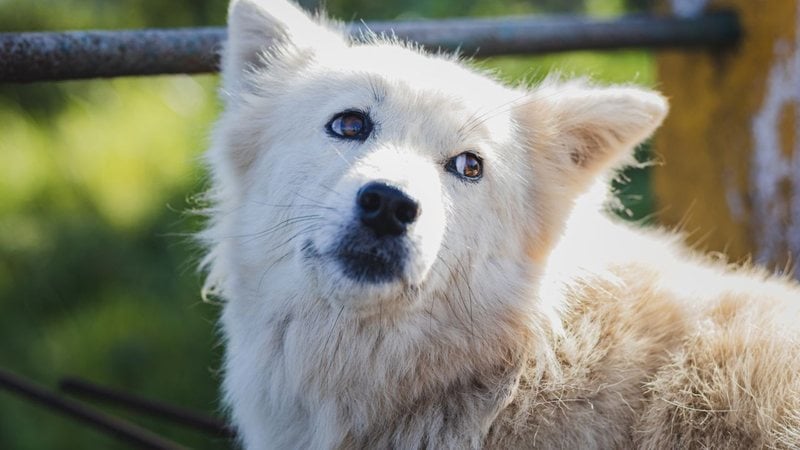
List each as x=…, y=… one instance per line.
x=466, y=165
x=350, y=125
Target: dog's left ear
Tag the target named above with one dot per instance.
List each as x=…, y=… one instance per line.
x=581, y=131
x=261, y=32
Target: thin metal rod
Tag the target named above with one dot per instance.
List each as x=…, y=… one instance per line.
x=559, y=33
x=87, y=390
x=26, y=57
x=125, y=431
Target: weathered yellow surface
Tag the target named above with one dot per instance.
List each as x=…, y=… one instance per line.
x=706, y=184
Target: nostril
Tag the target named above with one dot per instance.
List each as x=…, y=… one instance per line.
x=406, y=212
x=369, y=201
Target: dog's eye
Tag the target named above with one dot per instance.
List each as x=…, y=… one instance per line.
x=350, y=125
x=466, y=165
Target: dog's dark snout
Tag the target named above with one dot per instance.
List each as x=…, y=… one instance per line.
x=385, y=209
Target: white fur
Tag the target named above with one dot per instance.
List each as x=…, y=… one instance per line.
x=512, y=300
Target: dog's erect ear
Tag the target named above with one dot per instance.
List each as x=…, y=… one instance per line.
x=259, y=30
x=585, y=130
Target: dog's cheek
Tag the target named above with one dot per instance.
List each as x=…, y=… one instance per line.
x=242, y=153
x=241, y=139
x=333, y=200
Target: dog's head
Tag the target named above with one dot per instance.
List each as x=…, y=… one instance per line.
x=371, y=172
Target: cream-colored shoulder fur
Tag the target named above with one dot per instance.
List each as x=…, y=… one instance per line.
x=660, y=348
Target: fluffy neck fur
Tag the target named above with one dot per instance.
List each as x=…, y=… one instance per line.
x=438, y=373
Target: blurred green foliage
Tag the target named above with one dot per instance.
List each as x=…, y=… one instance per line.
x=97, y=267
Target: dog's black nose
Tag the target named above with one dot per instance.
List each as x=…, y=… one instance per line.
x=387, y=210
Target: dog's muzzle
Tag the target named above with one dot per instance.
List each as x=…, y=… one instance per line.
x=385, y=209
x=374, y=248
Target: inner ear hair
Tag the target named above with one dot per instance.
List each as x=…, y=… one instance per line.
x=591, y=149
x=602, y=125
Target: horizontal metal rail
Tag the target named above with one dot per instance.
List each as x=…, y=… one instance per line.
x=121, y=429
x=181, y=416
x=27, y=57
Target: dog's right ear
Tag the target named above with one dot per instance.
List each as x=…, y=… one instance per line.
x=261, y=30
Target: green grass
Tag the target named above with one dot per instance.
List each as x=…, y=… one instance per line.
x=97, y=275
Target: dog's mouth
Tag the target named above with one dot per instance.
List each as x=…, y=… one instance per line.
x=373, y=266
x=365, y=258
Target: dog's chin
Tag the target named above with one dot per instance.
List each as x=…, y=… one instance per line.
x=363, y=279
x=370, y=267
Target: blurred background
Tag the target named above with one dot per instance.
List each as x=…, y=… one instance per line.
x=98, y=273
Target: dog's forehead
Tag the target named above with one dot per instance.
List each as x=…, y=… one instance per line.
x=388, y=66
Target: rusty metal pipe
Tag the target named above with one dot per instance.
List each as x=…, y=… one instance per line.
x=27, y=57
x=121, y=429
x=181, y=416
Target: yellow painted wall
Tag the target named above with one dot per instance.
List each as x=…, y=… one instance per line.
x=725, y=147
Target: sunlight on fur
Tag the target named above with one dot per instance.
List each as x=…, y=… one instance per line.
x=414, y=255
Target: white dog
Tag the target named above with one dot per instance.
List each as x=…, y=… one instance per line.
x=411, y=256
